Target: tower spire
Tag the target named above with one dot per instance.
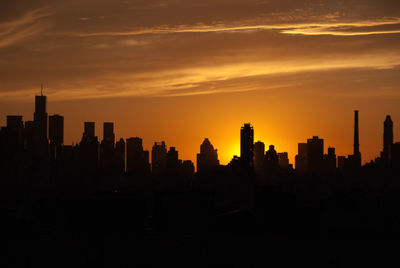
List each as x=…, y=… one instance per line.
x=356, y=137
x=41, y=89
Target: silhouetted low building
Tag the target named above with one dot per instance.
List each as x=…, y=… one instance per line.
x=207, y=159
x=159, y=158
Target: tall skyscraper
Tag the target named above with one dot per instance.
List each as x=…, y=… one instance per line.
x=356, y=159
x=56, y=134
x=259, y=155
x=159, y=158
x=40, y=119
x=315, y=154
x=136, y=158
x=207, y=159
x=108, y=130
x=247, y=145
x=56, y=129
x=15, y=133
x=387, y=138
x=120, y=155
x=301, y=158
x=283, y=160
x=356, y=150
x=172, y=162
x=89, y=131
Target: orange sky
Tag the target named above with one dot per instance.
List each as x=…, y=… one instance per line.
x=181, y=71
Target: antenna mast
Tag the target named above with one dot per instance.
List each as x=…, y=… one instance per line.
x=41, y=90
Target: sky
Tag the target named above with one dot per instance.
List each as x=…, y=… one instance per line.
x=180, y=71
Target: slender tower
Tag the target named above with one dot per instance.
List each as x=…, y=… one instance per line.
x=356, y=139
x=387, y=138
x=356, y=152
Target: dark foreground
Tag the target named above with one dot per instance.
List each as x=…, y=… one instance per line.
x=324, y=224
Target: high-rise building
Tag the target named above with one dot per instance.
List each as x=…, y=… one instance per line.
x=136, y=158
x=40, y=119
x=120, y=155
x=108, y=129
x=172, y=162
x=271, y=157
x=247, y=145
x=330, y=160
x=56, y=134
x=15, y=133
x=283, y=159
x=259, y=153
x=159, y=158
x=29, y=134
x=387, y=138
x=56, y=129
x=356, y=159
x=89, y=132
x=301, y=158
x=207, y=159
x=315, y=154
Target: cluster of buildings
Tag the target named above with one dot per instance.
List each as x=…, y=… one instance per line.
x=40, y=143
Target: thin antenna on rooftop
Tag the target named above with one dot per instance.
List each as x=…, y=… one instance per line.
x=41, y=90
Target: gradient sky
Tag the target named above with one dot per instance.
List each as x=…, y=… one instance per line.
x=183, y=70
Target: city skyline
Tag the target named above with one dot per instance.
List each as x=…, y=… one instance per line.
x=292, y=68
x=48, y=130
x=224, y=156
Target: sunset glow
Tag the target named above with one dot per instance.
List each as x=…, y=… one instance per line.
x=181, y=71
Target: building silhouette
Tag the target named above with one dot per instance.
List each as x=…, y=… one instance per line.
x=207, y=159
x=89, y=130
x=259, y=156
x=173, y=162
x=56, y=135
x=353, y=162
x=283, y=159
x=15, y=134
x=315, y=154
x=137, y=160
x=107, y=149
x=387, y=138
x=89, y=150
x=40, y=127
x=247, y=145
x=159, y=158
x=301, y=158
x=40, y=119
x=120, y=156
x=108, y=132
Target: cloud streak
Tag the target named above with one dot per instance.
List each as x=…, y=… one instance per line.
x=30, y=24
x=333, y=28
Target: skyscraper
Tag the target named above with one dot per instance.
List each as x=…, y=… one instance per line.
x=136, y=158
x=356, y=158
x=207, y=159
x=108, y=131
x=56, y=129
x=301, y=158
x=159, y=158
x=15, y=133
x=247, y=145
x=89, y=130
x=56, y=134
x=172, y=162
x=120, y=155
x=40, y=119
x=387, y=138
x=315, y=154
x=259, y=153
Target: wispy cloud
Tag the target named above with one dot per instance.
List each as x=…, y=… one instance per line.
x=206, y=80
x=331, y=28
x=30, y=24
